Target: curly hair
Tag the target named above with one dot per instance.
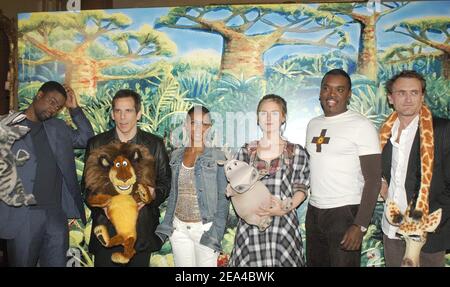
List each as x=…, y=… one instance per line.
x=97, y=176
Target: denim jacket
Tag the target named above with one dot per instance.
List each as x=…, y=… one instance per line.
x=210, y=185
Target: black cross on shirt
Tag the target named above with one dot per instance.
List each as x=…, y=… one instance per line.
x=320, y=140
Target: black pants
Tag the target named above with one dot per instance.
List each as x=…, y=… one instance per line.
x=44, y=238
x=102, y=258
x=325, y=229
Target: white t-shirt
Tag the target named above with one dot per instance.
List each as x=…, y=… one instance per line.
x=336, y=178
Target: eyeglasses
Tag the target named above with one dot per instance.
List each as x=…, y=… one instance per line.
x=403, y=93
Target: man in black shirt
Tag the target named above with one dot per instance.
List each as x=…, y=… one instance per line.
x=46, y=192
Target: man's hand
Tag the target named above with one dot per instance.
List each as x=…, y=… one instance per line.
x=384, y=189
x=352, y=238
x=71, y=101
x=146, y=193
x=140, y=205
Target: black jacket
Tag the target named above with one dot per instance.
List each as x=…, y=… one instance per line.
x=440, y=182
x=148, y=218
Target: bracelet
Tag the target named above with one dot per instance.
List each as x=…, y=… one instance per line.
x=287, y=204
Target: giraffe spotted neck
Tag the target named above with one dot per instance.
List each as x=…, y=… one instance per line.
x=426, y=153
x=416, y=222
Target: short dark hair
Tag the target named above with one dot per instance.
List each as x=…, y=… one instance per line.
x=338, y=72
x=126, y=93
x=406, y=74
x=52, y=86
x=194, y=108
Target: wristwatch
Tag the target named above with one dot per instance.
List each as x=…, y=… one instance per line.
x=362, y=228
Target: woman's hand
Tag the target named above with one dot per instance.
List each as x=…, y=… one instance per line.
x=274, y=209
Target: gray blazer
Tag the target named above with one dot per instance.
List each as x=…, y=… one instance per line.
x=63, y=140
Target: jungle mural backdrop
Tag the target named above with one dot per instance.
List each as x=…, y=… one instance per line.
x=226, y=58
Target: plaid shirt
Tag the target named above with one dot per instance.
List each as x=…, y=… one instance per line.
x=280, y=244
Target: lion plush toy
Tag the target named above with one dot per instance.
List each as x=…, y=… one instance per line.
x=118, y=176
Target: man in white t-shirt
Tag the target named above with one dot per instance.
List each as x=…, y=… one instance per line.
x=345, y=165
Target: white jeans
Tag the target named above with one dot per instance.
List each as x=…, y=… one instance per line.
x=186, y=247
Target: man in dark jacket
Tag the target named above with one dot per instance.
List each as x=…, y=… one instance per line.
x=39, y=233
x=402, y=167
x=126, y=113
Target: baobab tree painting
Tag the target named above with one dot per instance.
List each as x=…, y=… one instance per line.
x=73, y=39
x=227, y=57
x=243, y=49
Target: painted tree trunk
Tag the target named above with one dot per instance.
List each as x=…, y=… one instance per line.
x=367, y=56
x=242, y=55
x=82, y=75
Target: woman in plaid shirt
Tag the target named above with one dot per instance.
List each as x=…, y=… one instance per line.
x=286, y=174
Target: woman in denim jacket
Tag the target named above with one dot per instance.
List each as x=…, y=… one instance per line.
x=197, y=208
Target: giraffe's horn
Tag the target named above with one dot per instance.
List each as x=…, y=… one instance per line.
x=409, y=209
x=416, y=214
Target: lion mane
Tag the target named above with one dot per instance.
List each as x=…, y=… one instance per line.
x=97, y=176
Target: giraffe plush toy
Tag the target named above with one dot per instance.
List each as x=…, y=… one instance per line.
x=416, y=222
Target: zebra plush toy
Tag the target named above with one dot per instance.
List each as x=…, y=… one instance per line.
x=11, y=189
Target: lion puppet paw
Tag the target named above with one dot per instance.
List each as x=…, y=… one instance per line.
x=119, y=258
x=101, y=232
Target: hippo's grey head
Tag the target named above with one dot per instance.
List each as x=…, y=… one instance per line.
x=240, y=175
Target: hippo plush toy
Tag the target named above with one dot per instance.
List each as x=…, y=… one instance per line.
x=247, y=192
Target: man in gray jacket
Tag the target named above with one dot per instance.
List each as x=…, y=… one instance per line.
x=39, y=233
